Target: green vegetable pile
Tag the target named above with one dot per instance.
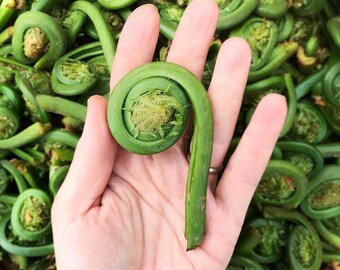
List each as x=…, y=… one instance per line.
x=55, y=54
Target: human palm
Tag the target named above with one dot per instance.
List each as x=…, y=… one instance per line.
x=118, y=210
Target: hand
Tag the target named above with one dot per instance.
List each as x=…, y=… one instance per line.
x=118, y=210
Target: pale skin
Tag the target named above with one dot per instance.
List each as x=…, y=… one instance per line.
x=118, y=210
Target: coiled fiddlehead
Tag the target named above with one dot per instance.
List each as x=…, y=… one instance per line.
x=323, y=197
x=282, y=184
x=331, y=85
x=233, y=12
x=272, y=235
x=170, y=15
x=148, y=112
x=38, y=38
x=238, y=262
x=329, y=230
x=272, y=9
x=304, y=249
x=30, y=217
x=309, y=124
x=261, y=36
x=305, y=156
x=113, y=5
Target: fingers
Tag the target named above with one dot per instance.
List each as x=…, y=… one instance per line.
x=226, y=93
x=137, y=42
x=194, y=35
x=250, y=159
x=93, y=161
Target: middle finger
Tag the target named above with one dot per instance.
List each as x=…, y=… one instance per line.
x=194, y=35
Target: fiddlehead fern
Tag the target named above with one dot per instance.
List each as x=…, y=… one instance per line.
x=272, y=9
x=261, y=36
x=307, y=7
x=72, y=77
x=22, y=248
x=9, y=123
x=272, y=240
x=38, y=38
x=309, y=124
x=113, y=5
x=170, y=15
x=282, y=184
x=331, y=85
x=233, y=12
x=329, y=229
x=304, y=249
x=30, y=216
x=238, y=262
x=323, y=197
x=148, y=112
x=305, y=156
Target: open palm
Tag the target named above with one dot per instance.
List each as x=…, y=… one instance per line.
x=118, y=210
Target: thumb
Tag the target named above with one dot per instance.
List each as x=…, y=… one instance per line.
x=92, y=164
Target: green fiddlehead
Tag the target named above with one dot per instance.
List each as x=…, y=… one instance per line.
x=322, y=199
x=261, y=36
x=113, y=5
x=170, y=15
x=238, y=262
x=285, y=27
x=148, y=112
x=309, y=124
x=329, y=230
x=272, y=9
x=304, y=250
x=38, y=38
x=307, y=7
x=9, y=123
x=278, y=56
x=28, y=94
x=305, y=156
x=331, y=85
x=233, y=12
x=282, y=184
x=104, y=33
x=270, y=248
x=27, y=249
x=72, y=77
x=30, y=216
x=10, y=98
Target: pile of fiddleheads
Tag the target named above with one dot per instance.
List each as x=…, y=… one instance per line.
x=55, y=54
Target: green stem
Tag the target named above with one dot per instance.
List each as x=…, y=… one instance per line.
x=105, y=36
x=6, y=34
x=234, y=13
x=28, y=135
x=62, y=106
x=18, y=178
x=62, y=137
x=166, y=85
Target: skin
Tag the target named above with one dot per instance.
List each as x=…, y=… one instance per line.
x=118, y=210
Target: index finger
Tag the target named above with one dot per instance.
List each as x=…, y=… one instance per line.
x=137, y=42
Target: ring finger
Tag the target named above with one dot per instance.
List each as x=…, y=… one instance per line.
x=226, y=93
